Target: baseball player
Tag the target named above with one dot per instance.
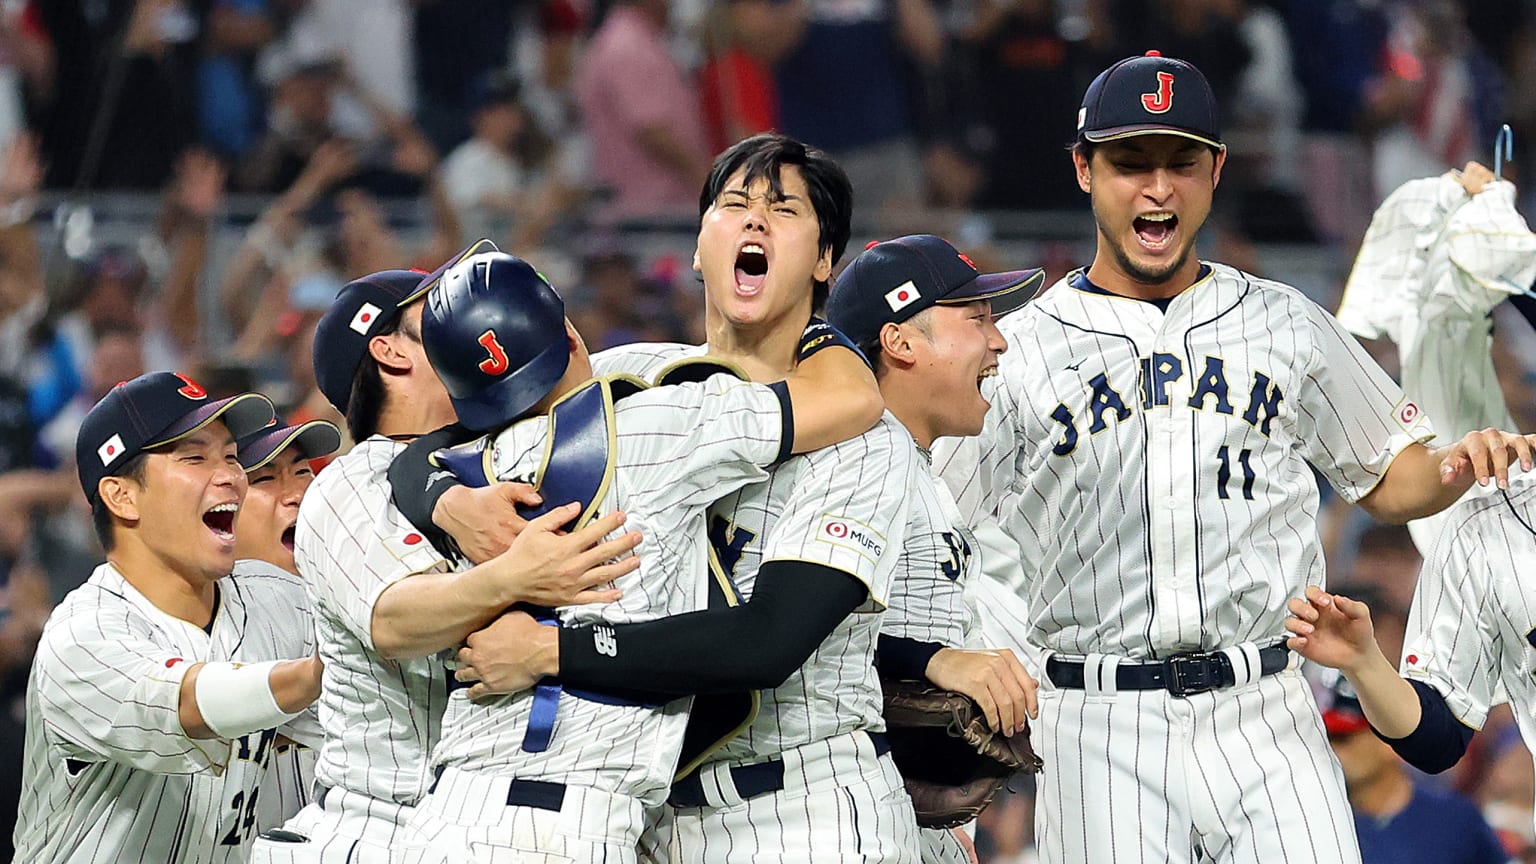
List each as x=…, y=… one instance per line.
x=576, y=784
x=1150, y=449
x=159, y=686
x=383, y=696
x=926, y=318
x=277, y=470
x=812, y=550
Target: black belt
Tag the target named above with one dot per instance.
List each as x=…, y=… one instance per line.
x=759, y=778
x=541, y=794
x=1181, y=674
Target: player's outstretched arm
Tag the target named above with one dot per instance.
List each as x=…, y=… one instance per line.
x=227, y=700
x=1335, y=631
x=753, y=646
x=429, y=612
x=832, y=392
x=1421, y=482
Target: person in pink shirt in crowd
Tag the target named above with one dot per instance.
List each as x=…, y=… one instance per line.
x=642, y=115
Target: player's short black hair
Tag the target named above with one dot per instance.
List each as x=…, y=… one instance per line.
x=101, y=517
x=367, y=397
x=761, y=157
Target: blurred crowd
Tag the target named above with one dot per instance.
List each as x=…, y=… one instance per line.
x=568, y=129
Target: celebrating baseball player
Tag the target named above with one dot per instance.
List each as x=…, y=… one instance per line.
x=576, y=784
x=383, y=696
x=926, y=319
x=276, y=462
x=1150, y=450
x=812, y=549
x=159, y=685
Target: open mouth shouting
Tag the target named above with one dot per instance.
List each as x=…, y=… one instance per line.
x=751, y=269
x=1156, y=230
x=287, y=538
x=220, y=519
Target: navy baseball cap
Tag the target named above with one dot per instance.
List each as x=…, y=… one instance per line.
x=1149, y=95
x=1342, y=714
x=362, y=309
x=892, y=281
x=153, y=410
x=313, y=439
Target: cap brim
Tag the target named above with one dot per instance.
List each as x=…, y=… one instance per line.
x=313, y=439
x=1120, y=132
x=242, y=415
x=1007, y=291
x=1344, y=722
x=431, y=279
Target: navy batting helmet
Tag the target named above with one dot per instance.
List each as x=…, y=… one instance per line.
x=494, y=330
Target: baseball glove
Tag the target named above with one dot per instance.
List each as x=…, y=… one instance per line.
x=952, y=761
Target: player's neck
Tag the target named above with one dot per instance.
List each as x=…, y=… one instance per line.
x=1383, y=797
x=910, y=408
x=1106, y=274
x=766, y=351
x=406, y=413
x=188, y=596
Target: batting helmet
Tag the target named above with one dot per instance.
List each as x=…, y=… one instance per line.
x=494, y=330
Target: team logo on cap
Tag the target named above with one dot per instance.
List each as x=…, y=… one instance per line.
x=366, y=315
x=497, y=363
x=902, y=296
x=1160, y=101
x=112, y=449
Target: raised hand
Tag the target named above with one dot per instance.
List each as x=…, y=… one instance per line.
x=1331, y=629
x=1486, y=456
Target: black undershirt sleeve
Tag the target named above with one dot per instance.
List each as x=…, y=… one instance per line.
x=1439, y=741
x=904, y=659
x=415, y=490
x=753, y=646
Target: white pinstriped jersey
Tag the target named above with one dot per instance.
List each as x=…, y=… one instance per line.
x=844, y=507
x=678, y=449
x=1472, y=629
x=939, y=559
x=110, y=775
x=381, y=717
x=1155, y=468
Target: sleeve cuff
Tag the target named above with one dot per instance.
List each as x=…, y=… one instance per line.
x=905, y=659
x=787, y=414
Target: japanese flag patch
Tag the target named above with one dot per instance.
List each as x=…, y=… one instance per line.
x=366, y=315
x=110, y=450
x=902, y=296
x=1415, y=662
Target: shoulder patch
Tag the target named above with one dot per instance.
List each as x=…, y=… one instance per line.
x=851, y=534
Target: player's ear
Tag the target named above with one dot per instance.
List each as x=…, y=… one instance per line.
x=896, y=344
x=120, y=495
x=1221, y=159
x=697, y=267
x=1084, y=172
x=387, y=354
x=823, y=270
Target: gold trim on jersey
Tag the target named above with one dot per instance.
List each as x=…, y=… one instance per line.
x=754, y=698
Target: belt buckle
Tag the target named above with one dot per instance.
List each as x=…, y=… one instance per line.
x=1189, y=674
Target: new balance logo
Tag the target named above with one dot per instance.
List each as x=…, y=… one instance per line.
x=1074, y=366
x=605, y=641
x=435, y=476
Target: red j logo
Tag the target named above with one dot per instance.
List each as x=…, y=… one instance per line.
x=497, y=362
x=1162, y=100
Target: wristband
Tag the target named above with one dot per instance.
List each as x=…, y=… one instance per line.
x=236, y=698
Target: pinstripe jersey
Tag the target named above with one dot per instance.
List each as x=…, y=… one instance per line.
x=939, y=560
x=843, y=507
x=1155, y=468
x=1472, y=629
x=381, y=717
x=110, y=775
x=678, y=449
